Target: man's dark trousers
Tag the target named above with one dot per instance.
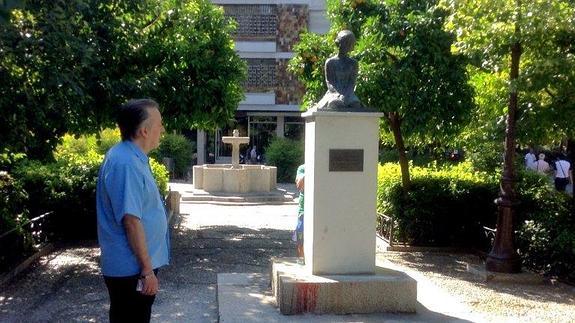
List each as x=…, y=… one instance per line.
x=126, y=303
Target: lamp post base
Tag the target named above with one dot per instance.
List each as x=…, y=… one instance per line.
x=510, y=264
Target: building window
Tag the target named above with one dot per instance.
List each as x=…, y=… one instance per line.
x=261, y=74
x=262, y=130
x=294, y=128
x=255, y=22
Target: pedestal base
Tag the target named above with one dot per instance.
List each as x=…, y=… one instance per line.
x=485, y=275
x=298, y=291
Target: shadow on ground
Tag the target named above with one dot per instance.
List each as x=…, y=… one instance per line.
x=66, y=286
x=455, y=266
x=199, y=255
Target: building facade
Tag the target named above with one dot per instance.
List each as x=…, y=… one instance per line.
x=266, y=34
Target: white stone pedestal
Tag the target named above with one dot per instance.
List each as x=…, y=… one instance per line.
x=340, y=276
x=340, y=205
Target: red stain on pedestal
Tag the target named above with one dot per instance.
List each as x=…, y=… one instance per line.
x=306, y=297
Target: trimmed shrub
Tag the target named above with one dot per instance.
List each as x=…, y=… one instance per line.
x=444, y=207
x=546, y=227
x=286, y=155
x=180, y=149
x=68, y=189
x=67, y=186
x=448, y=206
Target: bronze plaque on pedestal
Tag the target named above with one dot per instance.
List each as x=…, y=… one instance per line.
x=346, y=160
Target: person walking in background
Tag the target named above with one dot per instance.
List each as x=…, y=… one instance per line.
x=529, y=158
x=132, y=224
x=298, y=232
x=563, y=173
x=541, y=166
x=253, y=155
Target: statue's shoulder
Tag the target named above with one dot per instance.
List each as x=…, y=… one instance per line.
x=332, y=60
x=353, y=61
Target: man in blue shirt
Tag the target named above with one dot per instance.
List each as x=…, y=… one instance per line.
x=132, y=224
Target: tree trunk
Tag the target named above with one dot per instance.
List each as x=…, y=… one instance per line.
x=503, y=257
x=395, y=125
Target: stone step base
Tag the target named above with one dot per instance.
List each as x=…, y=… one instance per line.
x=298, y=291
x=525, y=278
x=222, y=198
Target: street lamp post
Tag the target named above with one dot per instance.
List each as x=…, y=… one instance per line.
x=503, y=256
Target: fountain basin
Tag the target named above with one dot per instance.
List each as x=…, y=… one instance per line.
x=243, y=179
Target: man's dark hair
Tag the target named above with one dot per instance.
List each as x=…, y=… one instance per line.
x=131, y=115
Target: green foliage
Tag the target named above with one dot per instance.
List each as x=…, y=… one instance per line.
x=107, y=138
x=72, y=147
x=286, y=155
x=446, y=206
x=160, y=175
x=8, y=159
x=6, y=6
x=310, y=55
x=406, y=68
x=546, y=227
x=66, y=65
x=180, y=149
x=68, y=189
x=87, y=149
x=12, y=210
x=485, y=32
x=13, y=214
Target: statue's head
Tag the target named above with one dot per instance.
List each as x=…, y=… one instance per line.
x=345, y=40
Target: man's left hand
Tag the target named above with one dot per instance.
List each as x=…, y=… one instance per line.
x=151, y=285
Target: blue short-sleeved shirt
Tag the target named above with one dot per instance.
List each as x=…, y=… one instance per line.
x=126, y=186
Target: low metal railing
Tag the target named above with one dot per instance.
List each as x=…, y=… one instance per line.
x=37, y=228
x=25, y=239
x=385, y=228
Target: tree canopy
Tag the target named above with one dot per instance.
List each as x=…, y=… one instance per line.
x=486, y=31
x=407, y=69
x=66, y=65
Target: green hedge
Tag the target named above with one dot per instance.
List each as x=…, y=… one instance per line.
x=546, y=230
x=68, y=190
x=448, y=206
x=286, y=155
x=13, y=214
x=66, y=187
x=180, y=149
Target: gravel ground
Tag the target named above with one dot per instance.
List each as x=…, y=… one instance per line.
x=496, y=302
x=66, y=286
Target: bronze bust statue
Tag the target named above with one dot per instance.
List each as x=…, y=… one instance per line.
x=340, y=76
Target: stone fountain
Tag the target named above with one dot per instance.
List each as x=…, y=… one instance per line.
x=235, y=178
